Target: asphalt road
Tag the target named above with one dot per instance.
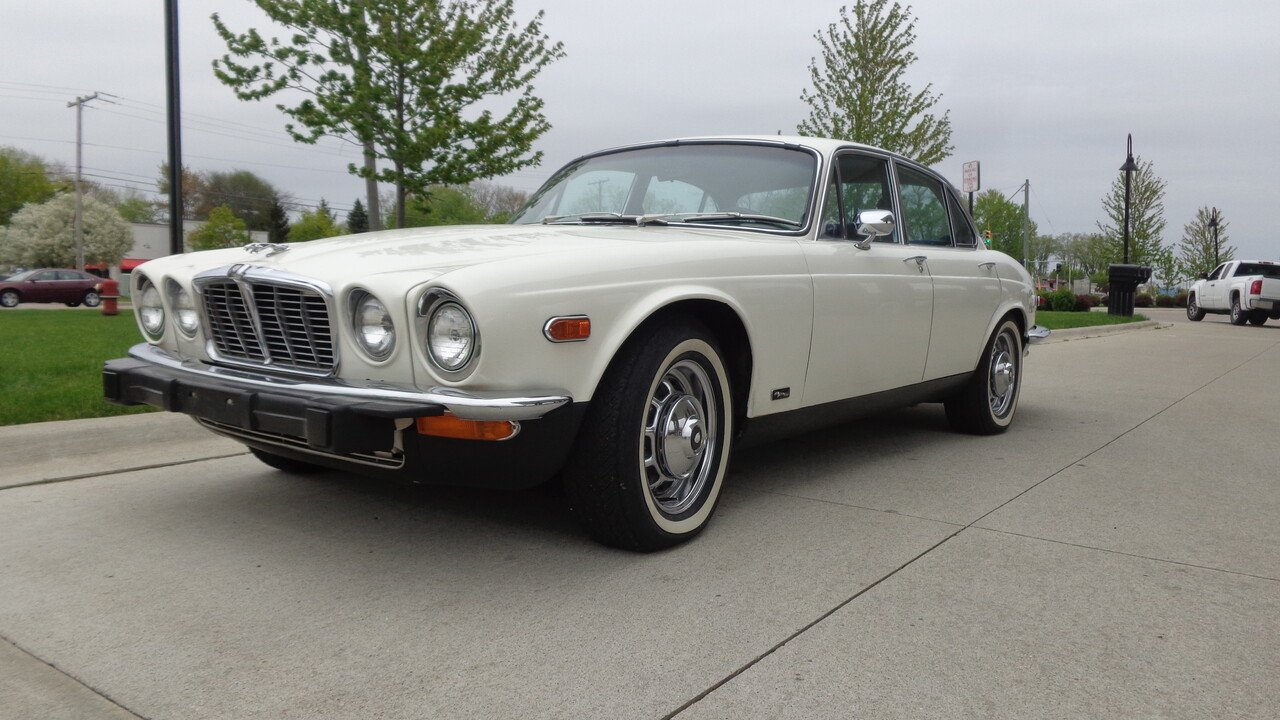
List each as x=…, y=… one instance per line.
x=1116, y=554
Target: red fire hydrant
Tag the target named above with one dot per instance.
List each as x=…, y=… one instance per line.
x=109, y=293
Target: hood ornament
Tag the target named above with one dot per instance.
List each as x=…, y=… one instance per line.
x=270, y=248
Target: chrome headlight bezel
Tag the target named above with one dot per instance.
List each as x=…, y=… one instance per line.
x=150, y=309
x=360, y=301
x=185, y=314
x=430, y=306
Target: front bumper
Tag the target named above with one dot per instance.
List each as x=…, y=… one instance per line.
x=327, y=416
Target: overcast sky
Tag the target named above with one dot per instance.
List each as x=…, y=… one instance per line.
x=1039, y=91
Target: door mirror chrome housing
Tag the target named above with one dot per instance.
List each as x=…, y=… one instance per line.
x=874, y=224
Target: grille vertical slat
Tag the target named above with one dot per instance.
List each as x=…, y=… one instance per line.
x=286, y=327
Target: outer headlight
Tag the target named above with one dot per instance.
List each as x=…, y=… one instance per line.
x=151, y=310
x=451, y=335
x=184, y=308
x=375, y=332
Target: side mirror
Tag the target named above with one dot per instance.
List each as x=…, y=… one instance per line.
x=874, y=224
x=1204, y=276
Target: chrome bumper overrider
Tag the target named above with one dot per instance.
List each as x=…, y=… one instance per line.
x=469, y=406
x=1037, y=334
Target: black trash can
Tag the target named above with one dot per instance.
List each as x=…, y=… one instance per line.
x=1124, y=281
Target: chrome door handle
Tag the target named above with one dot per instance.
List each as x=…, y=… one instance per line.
x=986, y=265
x=918, y=260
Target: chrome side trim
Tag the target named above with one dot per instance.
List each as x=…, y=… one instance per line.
x=466, y=405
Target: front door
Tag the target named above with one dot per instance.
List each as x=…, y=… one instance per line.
x=872, y=308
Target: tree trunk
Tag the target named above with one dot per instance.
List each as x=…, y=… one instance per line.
x=371, y=187
x=401, y=194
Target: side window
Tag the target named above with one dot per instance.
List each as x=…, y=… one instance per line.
x=69, y=275
x=46, y=276
x=863, y=184
x=1217, y=272
x=924, y=210
x=965, y=237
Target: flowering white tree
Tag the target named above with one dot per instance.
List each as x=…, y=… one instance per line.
x=44, y=235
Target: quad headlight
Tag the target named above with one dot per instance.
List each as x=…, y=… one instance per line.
x=451, y=337
x=184, y=308
x=374, y=330
x=150, y=310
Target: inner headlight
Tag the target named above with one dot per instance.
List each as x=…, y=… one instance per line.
x=374, y=330
x=451, y=336
x=151, y=311
x=184, y=308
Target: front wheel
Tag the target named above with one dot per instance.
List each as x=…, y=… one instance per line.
x=1195, y=313
x=650, y=459
x=92, y=299
x=1238, y=315
x=986, y=404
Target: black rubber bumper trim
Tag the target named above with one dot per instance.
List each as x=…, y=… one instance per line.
x=340, y=425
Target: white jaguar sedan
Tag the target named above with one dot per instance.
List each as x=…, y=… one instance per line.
x=651, y=308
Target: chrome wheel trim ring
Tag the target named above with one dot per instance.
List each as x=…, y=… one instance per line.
x=1002, y=379
x=679, y=436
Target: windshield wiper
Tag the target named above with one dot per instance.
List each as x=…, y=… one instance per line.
x=750, y=217
x=595, y=217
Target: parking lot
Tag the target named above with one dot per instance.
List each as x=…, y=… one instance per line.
x=1116, y=554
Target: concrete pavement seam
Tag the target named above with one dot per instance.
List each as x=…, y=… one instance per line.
x=73, y=678
x=864, y=507
x=105, y=473
x=751, y=663
x=1127, y=554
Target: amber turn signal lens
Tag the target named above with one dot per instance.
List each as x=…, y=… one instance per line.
x=568, y=329
x=451, y=426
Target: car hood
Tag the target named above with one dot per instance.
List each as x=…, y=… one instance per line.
x=441, y=250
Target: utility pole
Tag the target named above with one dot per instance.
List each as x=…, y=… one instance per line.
x=78, y=104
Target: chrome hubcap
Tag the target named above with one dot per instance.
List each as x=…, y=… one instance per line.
x=679, y=436
x=1003, y=384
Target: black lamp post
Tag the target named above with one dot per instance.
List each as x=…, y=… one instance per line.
x=1127, y=168
x=1213, y=223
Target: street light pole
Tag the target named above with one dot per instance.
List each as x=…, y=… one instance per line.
x=1128, y=168
x=1213, y=223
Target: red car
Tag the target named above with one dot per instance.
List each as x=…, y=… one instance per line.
x=50, y=285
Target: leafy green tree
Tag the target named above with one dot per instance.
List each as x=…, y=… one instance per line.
x=1146, y=215
x=993, y=211
x=442, y=205
x=499, y=202
x=357, y=219
x=859, y=92
x=222, y=230
x=192, y=191
x=1089, y=252
x=278, y=231
x=414, y=83
x=249, y=196
x=24, y=178
x=43, y=235
x=135, y=207
x=316, y=224
x=1166, y=270
x=1195, y=249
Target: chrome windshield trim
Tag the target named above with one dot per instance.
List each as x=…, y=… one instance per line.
x=466, y=405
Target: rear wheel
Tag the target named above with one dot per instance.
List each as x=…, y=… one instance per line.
x=289, y=465
x=1238, y=315
x=10, y=298
x=987, y=403
x=1195, y=313
x=1257, y=317
x=651, y=456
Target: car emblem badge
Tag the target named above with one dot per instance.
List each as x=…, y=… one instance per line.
x=270, y=248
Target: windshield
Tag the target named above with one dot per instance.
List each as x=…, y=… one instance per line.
x=753, y=186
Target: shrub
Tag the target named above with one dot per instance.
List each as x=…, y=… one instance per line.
x=1084, y=303
x=1180, y=300
x=1062, y=300
x=1143, y=300
x=1165, y=301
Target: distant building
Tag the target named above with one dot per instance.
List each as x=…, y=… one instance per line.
x=152, y=241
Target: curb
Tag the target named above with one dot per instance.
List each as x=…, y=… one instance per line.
x=1102, y=331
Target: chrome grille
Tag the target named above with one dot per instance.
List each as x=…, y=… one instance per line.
x=286, y=327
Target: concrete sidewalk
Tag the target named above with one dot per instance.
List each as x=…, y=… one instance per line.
x=1116, y=554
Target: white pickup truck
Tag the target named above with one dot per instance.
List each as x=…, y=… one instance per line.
x=1247, y=290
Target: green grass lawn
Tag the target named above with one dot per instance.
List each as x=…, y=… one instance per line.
x=51, y=363
x=1063, y=320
